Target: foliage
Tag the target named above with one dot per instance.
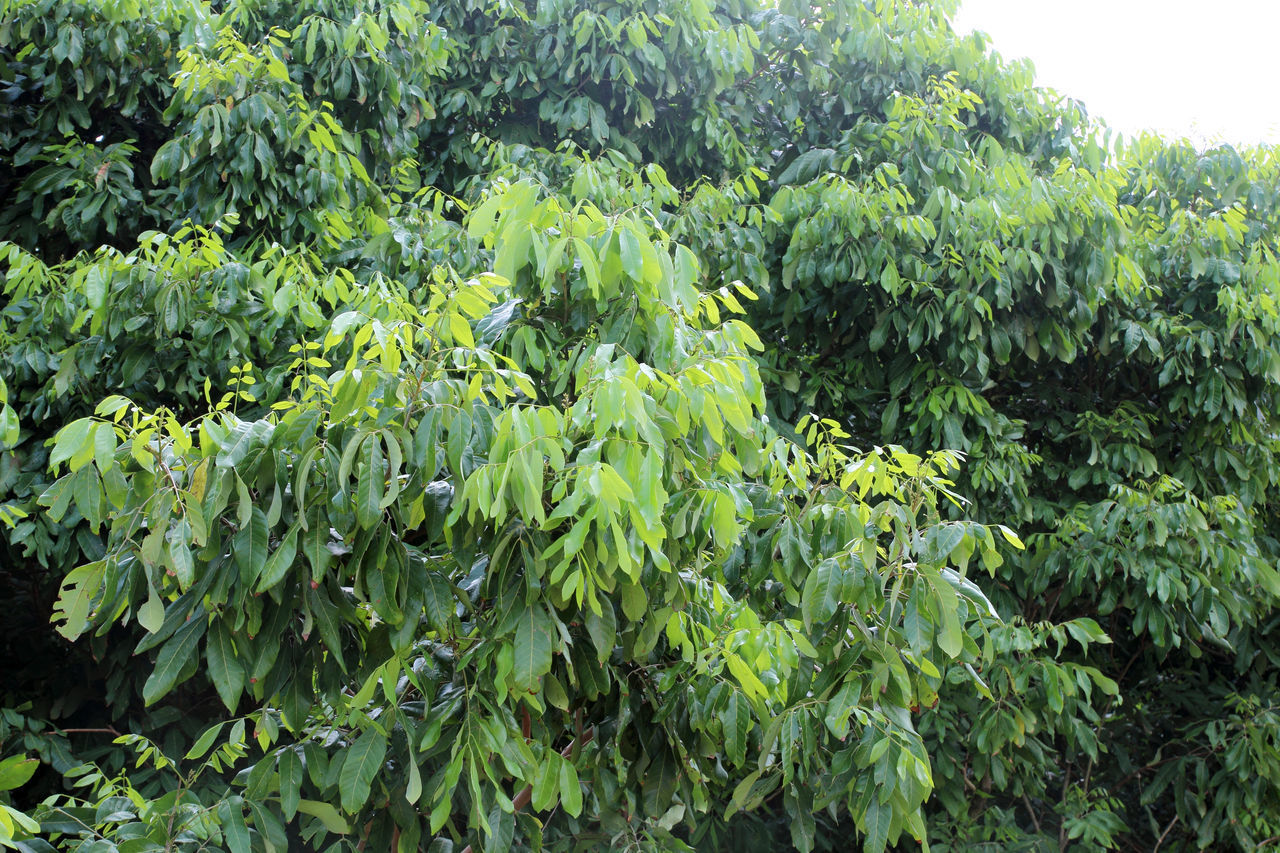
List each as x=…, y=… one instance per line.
x=510, y=424
x=1098, y=336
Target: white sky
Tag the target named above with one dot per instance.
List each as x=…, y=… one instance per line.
x=1208, y=69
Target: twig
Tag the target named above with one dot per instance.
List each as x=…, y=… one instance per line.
x=105, y=730
x=1132, y=660
x=1062, y=830
x=1167, y=830
x=1035, y=821
x=368, y=828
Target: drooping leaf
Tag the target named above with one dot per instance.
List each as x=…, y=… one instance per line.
x=532, y=646
x=225, y=668
x=176, y=655
x=361, y=763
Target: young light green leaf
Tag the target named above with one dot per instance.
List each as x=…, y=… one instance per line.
x=16, y=770
x=413, y=788
x=204, y=742
x=326, y=814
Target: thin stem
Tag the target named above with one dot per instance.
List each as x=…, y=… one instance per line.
x=1062, y=830
x=104, y=730
x=1167, y=830
x=1035, y=821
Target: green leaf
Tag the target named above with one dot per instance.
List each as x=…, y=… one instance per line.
x=243, y=437
x=603, y=629
x=413, y=788
x=632, y=258
x=280, y=561
x=1086, y=631
x=942, y=540
x=634, y=601
x=297, y=702
x=234, y=828
x=9, y=817
x=16, y=770
x=802, y=824
x=1011, y=537
x=325, y=613
x=533, y=647
x=315, y=542
x=822, y=594
x=362, y=763
x=570, y=789
x=269, y=828
x=369, y=487
x=204, y=742
x=79, y=589
x=876, y=825
x=73, y=441
x=151, y=613
x=736, y=721
x=10, y=429
x=742, y=791
x=840, y=707
x=460, y=330
x=225, y=669
x=249, y=547
x=87, y=487
x=181, y=562
x=438, y=602
x=327, y=815
x=290, y=769
x=174, y=656
x=546, y=784
x=590, y=265
x=951, y=634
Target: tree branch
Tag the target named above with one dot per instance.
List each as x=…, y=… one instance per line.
x=1167, y=829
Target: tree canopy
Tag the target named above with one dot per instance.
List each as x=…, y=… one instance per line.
x=507, y=425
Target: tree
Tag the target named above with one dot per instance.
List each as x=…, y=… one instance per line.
x=385, y=514
x=390, y=440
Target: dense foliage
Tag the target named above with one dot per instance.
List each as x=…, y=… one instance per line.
x=574, y=425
